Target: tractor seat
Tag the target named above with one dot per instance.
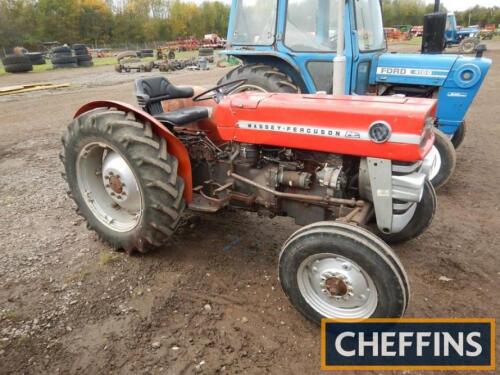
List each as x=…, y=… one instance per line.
x=151, y=91
x=183, y=116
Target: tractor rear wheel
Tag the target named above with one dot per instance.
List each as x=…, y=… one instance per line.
x=446, y=159
x=468, y=45
x=122, y=179
x=260, y=77
x=336, y=270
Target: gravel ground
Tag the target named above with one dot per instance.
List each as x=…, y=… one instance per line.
x=210, y=301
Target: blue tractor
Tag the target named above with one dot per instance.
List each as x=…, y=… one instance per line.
x=291, y=45
x=466, y=38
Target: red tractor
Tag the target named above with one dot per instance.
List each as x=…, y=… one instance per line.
x=353, y=170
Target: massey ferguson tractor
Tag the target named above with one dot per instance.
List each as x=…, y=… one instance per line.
x=352, y=170
x=298, y=45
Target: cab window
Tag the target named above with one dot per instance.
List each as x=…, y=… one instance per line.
x=255, y=22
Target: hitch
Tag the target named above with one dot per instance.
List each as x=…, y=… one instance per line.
x=480, y=49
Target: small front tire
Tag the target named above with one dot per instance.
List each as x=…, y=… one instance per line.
x=336, y=270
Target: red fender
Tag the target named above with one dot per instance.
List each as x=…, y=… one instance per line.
x=175, y=147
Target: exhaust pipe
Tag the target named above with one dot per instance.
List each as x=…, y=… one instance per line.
x=339, y=62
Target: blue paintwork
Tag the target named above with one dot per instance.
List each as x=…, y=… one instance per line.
x=456, y=95
x=446, y=72
x=438, y=65
x=452, y=35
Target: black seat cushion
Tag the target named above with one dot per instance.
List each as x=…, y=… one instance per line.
x=183, y=116
x=151, y=91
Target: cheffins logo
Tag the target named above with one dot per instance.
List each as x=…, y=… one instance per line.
x=408, y=344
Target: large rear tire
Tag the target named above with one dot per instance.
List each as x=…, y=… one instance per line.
x=468, y=45
x=122, y=179
x=336, y=270
x=446, y=160
x=260, y=77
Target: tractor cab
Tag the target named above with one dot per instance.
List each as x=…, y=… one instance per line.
x=455, y=35
x=339, y=47
x=300, y=37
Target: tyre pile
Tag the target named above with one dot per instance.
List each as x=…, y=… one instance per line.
x=63, y=57
x=83, y=56
x=17, y=64
x=208, y=53
x=145, y=53
x=173, y=65
x=36, y=58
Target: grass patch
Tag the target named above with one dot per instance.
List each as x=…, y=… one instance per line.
x=77, y=277
x=107, y=258
x=12, y=315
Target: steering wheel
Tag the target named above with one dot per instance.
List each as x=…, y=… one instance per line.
x=217, y=93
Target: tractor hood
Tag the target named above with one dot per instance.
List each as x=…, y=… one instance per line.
x=412, y=68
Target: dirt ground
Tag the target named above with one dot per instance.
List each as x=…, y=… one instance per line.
x=210, y=301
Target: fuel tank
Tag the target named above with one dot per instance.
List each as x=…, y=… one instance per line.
x=383, y=127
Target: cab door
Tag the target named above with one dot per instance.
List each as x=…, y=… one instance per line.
x=368, y=41
x=308, y=34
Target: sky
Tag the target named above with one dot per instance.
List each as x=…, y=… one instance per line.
x=453, y=5
x=457, y=5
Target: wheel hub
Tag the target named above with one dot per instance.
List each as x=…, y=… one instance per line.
x=119, y=182
x=109, y=186
x=336, y=285
x=116, y=184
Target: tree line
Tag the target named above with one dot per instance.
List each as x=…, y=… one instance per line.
x=106, y=22
x=411, y=12
x=120, y=22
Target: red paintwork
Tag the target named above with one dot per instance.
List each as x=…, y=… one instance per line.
x=175, y=147
x=356, y=113
x=353, y=113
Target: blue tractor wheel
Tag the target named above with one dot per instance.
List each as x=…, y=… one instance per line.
x=459, y=135
x=260, y=77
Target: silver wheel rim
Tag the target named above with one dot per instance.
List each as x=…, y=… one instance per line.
x=436, y=167
x=109, y=187
x=355, y=295
x=247, y=87
x=468, y=47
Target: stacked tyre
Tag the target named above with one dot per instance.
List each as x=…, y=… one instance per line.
x=17, y=64
x=36, y=58
x=83, y=56
x=208, y=53
x=147, y=53
x=62, y=57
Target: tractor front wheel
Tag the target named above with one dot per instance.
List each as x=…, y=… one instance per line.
x=336, y=270
x=122, y=179
x=262, y=78
x=421, y=220
x=459, y=136
x=446, y=159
